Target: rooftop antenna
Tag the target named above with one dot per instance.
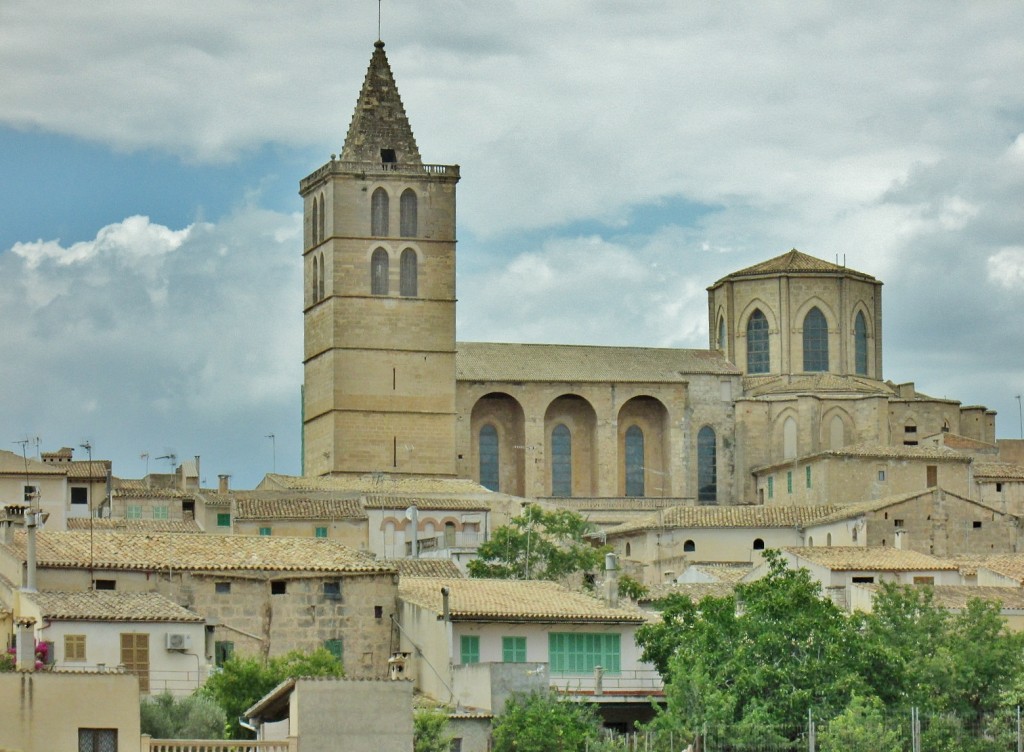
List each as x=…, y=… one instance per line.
x=378, y=19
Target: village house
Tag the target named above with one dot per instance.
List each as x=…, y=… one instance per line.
x=262, y=595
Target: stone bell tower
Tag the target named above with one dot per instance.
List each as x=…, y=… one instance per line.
x=379, y=298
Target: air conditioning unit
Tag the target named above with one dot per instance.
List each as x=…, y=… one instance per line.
x=178, y=641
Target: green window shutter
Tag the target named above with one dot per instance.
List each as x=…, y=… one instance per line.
x=321, y=532
x=513, y=649
x=771, y=488
x=580, y=653
x=469, y=649
x=789, y=481
x=224, y=519
x=223, y=650
x=264, y=531
x=334, y=648
x=808, y=476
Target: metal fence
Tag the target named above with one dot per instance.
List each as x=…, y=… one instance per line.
x=908, y=731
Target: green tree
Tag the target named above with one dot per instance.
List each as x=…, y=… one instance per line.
x=860, y=727
x=632, y=588
x=244, y=680
x=195, y=716
x=430, y=731
x=539, y=545
x=541, y=722
x=755, y=663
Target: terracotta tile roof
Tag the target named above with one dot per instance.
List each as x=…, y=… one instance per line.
x=695, y=591
x=253, y=507
x=426, y=568
x=958, y=596
x=140, y=551
x=879, y=558
x=494, y=361
x=875, y=451
x=85, y=470
x=1008, y=565
x=111, y=606
x=794, y=262
x=998, y=471
x=726, y=572
x=131, y=488
x=511, y=600
x=376, y=483
x=758, y=516
x=584, y=504
x=105, y=525
x=956, y=441
x=759, y=386
x=436, y=503
x=850, y=511
x=14, y=464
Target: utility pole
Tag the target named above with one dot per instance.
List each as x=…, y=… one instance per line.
x=273, y=449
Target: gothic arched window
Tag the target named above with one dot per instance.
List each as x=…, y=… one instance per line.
x=320, y=285
x=634, y=461
x=407, y=207
x=815, y=341
x=561, y=461
x=379, y=203
x=316, y=278
x=721, y=333
x=407, y=284
x=707, y=465
x=320, y=227
x=488, y=448
x=860, y=344
x=314, y=228
x=757, y=343
x=379, y=272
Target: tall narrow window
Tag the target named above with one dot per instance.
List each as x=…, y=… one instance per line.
x=379, y=213
x=789, y=449
x=489, y=457
x=561, y=461
x=707, y=465
x=407, y=210
x=815, y=341
x=379, y=272
x=469, y=649
x=860, y=344
x=323, y=273
x=757, y=343
x=316, y=278
x=135, y=656
x=320, y=228
x=721, y=333
x=634, y=461
x=407, y=283
x=315, y=224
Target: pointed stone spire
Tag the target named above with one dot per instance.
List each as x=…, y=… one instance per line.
x=380, y=131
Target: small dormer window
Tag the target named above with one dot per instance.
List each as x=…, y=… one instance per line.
x=387, y=156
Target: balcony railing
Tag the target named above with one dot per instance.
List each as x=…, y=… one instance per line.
x=636, y=683
x=337, y=166
x=210, y=745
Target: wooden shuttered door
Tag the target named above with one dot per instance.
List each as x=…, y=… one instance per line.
x=135, y=656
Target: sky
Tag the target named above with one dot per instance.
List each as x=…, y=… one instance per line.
x=616, y=159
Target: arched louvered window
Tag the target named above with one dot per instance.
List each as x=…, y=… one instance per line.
x=316, y=278
x=314, y=227
x=407, y=285
x=323, y=273
x=379, y=203
x=634, y=461
x=707, y=465
x=407, y=207
x=815, y=341
x=757, y=343
x=488, y=448
x=561, y=461
x=320, y=228
x=860, y=344
x=379, y=272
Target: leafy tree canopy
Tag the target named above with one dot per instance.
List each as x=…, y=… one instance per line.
x=430, y=731
x=196, y=716
x=539, y=545
x=244, y=680
x=541, y=722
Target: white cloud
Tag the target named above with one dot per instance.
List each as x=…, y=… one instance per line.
x=1006, y=268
